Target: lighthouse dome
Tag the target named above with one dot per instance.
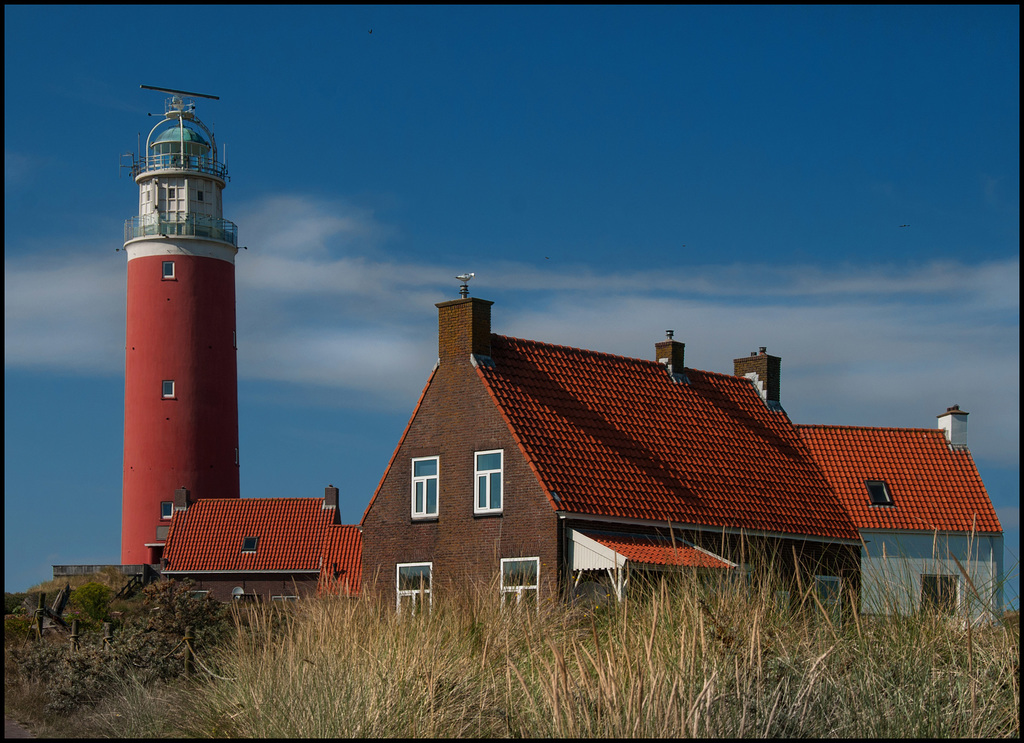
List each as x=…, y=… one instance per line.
x=174, y=134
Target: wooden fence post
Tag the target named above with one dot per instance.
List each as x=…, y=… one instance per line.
x=108, y=636
x=38, y=620
x=75, y=646
x=189, y=653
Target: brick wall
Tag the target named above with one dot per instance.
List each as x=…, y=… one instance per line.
x=265, y=586
x=455, y=419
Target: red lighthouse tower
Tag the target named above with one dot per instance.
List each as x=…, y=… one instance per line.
x=181, y=374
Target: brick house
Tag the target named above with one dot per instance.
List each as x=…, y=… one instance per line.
x=533, y=469
x=263, y=548
x=930, y=535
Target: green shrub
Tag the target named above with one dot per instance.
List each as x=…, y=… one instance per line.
x=93, y=600
x=14, y=603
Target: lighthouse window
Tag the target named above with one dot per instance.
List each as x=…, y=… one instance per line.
x=199, y=195
x=166, y=509
x=167, y=389
x=168, y=269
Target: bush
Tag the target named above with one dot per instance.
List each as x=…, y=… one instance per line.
x=149, y=647
x=93, y=600
x=14, y=603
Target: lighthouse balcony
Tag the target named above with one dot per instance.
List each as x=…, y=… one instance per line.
x=176, y=162
x=183, y=225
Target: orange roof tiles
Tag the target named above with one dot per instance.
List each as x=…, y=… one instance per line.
x=294, y=534
x=658, y=552
x=342, y=553
x=933, y=487
x=616, y=437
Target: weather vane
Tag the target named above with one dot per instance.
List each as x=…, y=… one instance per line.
x=464, y=278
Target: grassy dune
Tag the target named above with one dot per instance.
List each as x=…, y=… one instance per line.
x=678, y=662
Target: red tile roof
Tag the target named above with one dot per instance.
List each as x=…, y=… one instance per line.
x=342, y=553
x=932, y=486
x=658, y=552
x=294, y=534
x=616, y=437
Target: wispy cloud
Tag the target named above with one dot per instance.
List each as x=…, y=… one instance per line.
x=322, y=303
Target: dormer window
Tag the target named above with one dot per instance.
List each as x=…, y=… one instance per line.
x=879, y=493
x=249, y=544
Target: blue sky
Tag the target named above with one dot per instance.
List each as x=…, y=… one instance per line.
x=737, y=174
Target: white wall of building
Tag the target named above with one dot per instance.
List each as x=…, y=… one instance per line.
x=893, y=563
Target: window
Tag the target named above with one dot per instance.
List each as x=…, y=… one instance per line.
x=488, y=482
x=284, y=598
x=939, y=593
x=168, y=270
x=424, y=487
x=198, y=594
x=249, y=544
x=829, y=591
x=199, y=195
x=879, y=493
x=167, y=388
x=413, y=585
x=519, y=581
x=166, y=509
x=170, y=192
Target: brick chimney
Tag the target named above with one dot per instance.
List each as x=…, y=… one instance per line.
x=464, y=328
x=954, y=423
x=331, y=501
x=182, y=499
x=669, y=353
x=764, y=371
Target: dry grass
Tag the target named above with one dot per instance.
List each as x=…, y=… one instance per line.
x=674, y=664
x=680, y=662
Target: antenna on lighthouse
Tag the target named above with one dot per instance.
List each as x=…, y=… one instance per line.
x=172, y=91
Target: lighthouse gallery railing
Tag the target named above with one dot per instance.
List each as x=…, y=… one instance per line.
x=188, y=225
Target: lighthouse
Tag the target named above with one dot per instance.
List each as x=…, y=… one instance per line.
x=181, y=373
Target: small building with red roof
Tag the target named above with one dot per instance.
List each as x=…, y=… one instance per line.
x=263, y=548
x=531, y=469
x=930, y=535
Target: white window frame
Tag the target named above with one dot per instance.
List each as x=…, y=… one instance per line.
x=520, y=591
x=167, y=392
x=166, y=510
x=284, y=598
x=487, y=478
x=423, y=481
x=164, y=273
x=412, y=596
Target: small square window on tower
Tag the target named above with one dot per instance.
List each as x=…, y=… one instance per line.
x=167, y=388
x=879, y=493
x=249, y=544
x=168, y=270
x=166, y=509
x=199, y=195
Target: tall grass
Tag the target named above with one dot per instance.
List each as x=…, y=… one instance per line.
x=681, y=661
